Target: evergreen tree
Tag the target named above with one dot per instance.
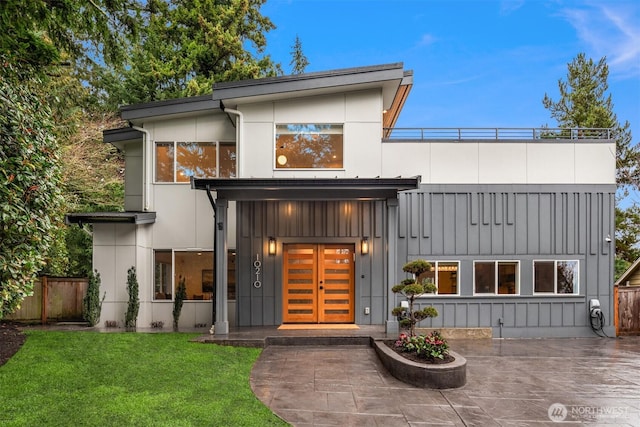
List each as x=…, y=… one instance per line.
x=299, y=61
x=585, y=103
x=186, y=46
x=131, y=317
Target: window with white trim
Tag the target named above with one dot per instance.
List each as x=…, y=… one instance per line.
x=496, y=277
x=178, y=161
x=445, y=276
x=309, y=146
x=195, y=268
x=556, y=277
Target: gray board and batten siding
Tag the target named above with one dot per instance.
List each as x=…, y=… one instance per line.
x=308, y=222
x=521, y=223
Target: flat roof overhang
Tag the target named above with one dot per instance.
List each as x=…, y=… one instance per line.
x=111, y=217
x=306, y=188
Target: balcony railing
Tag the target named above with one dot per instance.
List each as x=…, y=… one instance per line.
x=428, y=134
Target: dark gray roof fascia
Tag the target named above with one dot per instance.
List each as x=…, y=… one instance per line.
x=309, y=81
x=115, y=136
x=167, y=107
x=306, y=188
x=111, y=217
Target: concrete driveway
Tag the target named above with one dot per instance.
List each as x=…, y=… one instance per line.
x=509, y=383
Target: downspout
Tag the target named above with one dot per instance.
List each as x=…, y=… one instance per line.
x=239, y=135
x=215, y=246
x=146, y=158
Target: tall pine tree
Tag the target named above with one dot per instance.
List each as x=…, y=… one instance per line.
x=585, y=103
x=299, y=61
x=186, y=46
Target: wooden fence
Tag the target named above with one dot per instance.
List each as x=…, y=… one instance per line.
x=627, y=312
x=54, y=299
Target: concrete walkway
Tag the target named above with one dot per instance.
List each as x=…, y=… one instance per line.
x=509, y=383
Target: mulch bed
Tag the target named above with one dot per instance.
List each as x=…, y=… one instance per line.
x=419, y=359
x=11, y=339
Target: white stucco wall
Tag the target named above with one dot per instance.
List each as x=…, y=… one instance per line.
x=360, y=112
x=501, y=162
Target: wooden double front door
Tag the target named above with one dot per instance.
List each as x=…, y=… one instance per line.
x=318, y=283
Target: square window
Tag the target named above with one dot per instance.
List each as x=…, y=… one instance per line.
x=445, y=276
x=555, y=277
x=309, y=146
x=496, y=277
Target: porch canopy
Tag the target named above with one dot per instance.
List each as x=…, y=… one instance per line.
x=253, y=189
x=306, y=188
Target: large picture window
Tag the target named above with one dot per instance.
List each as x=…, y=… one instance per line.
x=496, y=277
x=555, y=277
x=309, y=146
x=445, y=276
x=195, y=268
x=179, y=161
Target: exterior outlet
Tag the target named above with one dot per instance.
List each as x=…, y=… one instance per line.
x=366, y=310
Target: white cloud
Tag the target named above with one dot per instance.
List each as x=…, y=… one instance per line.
x=426, y=40
x=508, y=6
x=611, y=30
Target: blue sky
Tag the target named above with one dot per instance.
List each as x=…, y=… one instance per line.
x=476, y=63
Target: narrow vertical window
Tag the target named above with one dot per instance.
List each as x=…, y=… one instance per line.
x=163, y=276
x=164, y=161
x=227, y=160
x=484, y=273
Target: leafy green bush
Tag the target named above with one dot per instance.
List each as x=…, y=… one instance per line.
x=31, y=207
x=432, y=346
x=92, y=304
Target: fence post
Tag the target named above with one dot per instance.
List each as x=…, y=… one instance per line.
x=616, y=308
x=43, y=281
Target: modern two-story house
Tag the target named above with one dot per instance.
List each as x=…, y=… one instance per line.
x=294, y=199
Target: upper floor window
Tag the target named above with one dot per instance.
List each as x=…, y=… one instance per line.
x=179, y=161
x=496, y=277
x=445, y=276
x=309, y=146
x=555, y=277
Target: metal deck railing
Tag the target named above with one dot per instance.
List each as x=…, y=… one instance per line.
x=428, y=134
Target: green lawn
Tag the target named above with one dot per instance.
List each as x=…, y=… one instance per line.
x=129, y=379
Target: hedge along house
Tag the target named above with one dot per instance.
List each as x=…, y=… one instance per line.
x=294, y=199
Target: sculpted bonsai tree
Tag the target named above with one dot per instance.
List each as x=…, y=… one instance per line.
x=411, y=289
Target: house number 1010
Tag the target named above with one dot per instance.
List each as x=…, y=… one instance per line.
x=257, y=266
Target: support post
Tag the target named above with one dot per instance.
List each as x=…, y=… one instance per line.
x=45, y=296
x=392, y=326
x=220, y=253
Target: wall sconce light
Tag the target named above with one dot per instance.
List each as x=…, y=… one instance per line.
x=608, y=238
x=364, y=246
x=272, y=245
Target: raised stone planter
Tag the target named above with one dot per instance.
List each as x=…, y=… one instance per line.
x=437, y=376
